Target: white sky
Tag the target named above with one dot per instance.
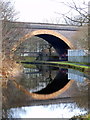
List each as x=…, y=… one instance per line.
x=41, y=10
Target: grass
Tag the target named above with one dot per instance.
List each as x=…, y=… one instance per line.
x=72, y=64
x=82, y=117
x=27, y=59
x=79, y=66
x=88, y=64
x=67, y=64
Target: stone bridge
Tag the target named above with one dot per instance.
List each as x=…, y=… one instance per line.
x=58, y=35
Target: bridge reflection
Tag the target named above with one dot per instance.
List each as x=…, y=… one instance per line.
x=55, y=85
x=57, y=89
x=58, y=83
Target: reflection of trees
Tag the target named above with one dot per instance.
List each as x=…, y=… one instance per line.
x=10, y=113
x=30, y=81
x=50, y=51
x=50, y=76
x=82, y=100
x=36, y=80
x=11, y=96
x=48, y=72
x=60, y=80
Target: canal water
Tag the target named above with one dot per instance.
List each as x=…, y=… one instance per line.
x=44, y=91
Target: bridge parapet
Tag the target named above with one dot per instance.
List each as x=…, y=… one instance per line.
x=30, y=25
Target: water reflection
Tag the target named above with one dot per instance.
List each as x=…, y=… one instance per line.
x=47, y=111
x=45, y=86
x=60, y=80
x=36, y=79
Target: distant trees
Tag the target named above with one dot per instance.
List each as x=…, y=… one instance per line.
x=34, y=44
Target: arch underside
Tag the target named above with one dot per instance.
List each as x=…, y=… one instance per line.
x=59, y=45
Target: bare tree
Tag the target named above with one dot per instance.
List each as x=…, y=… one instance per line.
x=10, y=36
x=7, y=11
x=77, y=13
x=80, y=38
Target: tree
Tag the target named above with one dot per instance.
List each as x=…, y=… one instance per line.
x=77, y=13
x=10, y=36
x=7, y=11
x=80, y=38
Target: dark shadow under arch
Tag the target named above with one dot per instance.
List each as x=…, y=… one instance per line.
x=59, y=45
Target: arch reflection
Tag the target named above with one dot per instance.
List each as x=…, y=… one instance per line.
x=56, y=86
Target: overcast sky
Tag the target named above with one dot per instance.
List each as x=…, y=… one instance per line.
x=42, y=10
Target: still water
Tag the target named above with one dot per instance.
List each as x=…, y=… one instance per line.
x=46, y=92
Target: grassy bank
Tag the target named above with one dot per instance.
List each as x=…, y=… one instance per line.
x=78, y=65
x=26, y=59
x=85, y=67
x=67, y=64
x=87, y=64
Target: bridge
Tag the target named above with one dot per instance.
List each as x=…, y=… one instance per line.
x=58, y=35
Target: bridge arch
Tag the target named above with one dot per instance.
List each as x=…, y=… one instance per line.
x=57, y=40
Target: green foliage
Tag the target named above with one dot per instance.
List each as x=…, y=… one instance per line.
x=67, y=64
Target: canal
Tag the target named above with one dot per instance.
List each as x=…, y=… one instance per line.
x=44, y=91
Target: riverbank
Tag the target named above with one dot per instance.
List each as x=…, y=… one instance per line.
x=78, y=66
x=30, y=61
